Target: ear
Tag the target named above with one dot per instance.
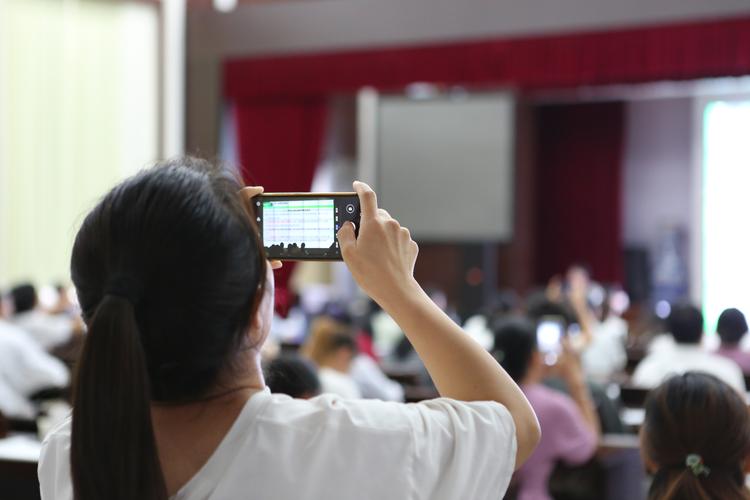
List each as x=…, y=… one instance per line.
x=262, y=315
x=648, y=463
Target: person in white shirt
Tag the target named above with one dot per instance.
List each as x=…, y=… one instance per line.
x=48, y=330
x=331, y=346
x=605, y=355
x=372, y=382
x=685, y=323
x=341, y=369
x=25, y=368
x=170, y=398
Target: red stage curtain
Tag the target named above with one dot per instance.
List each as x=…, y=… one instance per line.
x=579, y=165
x=279, y=144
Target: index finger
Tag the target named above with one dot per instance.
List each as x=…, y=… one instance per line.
x=368, y=200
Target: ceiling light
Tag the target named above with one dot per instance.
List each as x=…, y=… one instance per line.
x=225, y=5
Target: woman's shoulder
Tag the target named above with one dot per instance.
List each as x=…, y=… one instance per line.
x=329, y=410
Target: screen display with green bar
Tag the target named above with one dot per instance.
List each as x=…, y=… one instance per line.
x=304, y=223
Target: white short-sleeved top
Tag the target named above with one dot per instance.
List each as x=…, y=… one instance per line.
x=328, y=448
x=668, y=360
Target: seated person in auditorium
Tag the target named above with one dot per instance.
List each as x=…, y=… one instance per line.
x=605, y=354
x=170, y=398
x=540, y=306
x=292, y=375
x=49, y=330
x=695, y=439
x=332, y=347
x=732, y=328
x=25, y=369
x=685, y=323
x=365, y=369
x=570, y=425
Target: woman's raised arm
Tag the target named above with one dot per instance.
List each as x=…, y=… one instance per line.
x=382, y=259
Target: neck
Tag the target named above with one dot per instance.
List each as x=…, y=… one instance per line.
x=233, y=387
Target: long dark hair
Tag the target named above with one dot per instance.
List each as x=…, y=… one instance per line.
x=169, y=272
x=696, y=414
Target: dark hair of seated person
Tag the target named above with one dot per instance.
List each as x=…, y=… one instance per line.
x=696, y=415
x=23, y=297
x=685, y=323
x=539, y=306
x=169, y=273
x=294, y=376
x=515, y=344
x=731, y=326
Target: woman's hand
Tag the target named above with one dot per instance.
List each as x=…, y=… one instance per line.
x=248, y=193
x=382, y=257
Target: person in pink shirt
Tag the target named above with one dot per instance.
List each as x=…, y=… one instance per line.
x=569, y=423
x=732, y=327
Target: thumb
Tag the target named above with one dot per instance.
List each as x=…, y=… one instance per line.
x=347, y=239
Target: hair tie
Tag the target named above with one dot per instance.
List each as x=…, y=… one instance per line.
x=124, y=287
x=694, y=462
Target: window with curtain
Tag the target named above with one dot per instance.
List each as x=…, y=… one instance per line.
x=78, y=112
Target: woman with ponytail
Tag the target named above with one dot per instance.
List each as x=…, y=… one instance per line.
x=169, y=396
x=696, y=440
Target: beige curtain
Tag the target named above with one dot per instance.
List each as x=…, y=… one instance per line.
x=78, y=112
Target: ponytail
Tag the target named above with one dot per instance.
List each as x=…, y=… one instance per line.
x=113, y=452
x=679, y=483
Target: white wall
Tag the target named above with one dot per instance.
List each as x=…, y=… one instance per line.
x=657, y=168
x=325, y=24
x=658, y=180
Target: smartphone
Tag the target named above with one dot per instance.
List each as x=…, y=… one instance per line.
x=303, y=226
x=549, y=336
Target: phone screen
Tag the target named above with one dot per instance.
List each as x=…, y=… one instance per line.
x=304, y=226
x=549, y=335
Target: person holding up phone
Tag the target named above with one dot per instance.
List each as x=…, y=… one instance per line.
x=170, y=400
x=570, y=424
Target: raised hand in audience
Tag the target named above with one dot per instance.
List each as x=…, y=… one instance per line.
x=570, y=370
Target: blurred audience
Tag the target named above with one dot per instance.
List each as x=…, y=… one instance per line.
x=25, y=369
x=696, y=439
x=332, y=347
x=569, y=395
x=570, y=425
x=292, y=375
x=685, y=324
x=343, y=370
x=732, y=328
x=372, y=382
x=49, y=330
x=605, y=355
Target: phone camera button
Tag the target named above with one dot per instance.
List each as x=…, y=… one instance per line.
x=350, y=208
